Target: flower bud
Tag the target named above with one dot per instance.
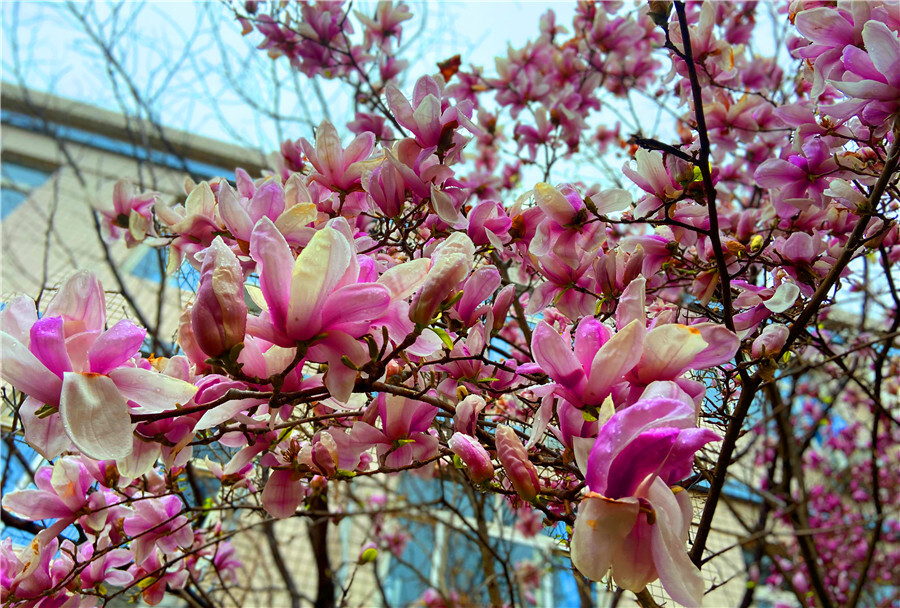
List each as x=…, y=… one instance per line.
x=467, y=414
x=325, y=454
x=770, y=341
x=514, y=457
x=219, y=316
x=477, y=460
x=501, y=306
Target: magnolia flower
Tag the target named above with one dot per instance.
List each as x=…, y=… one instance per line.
x=65, y=361
x=600, y=359
x=317, y=299
x=130, y=214
x=339, y=168
x=403, y=437
x=630, y=519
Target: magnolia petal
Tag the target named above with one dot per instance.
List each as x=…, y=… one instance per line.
x=17, y=317
x=614, y=359
x=784, y=297
x=233, y=213
x=360, y=302
x=152, y=391
x=884, y=50
x=668, y=350
x=404, y=279
x=48, y=344
x=143, y=456
x=723, y=344
x=116, y=346
x=632, y=303
x=316, y=271
x=552, y=202
x=601, y=528
x=25, y=372
x=81, y=302
x=555, y=356
x=678, y=575
x=282, y=495
x=45, y=434
x=96, y=416
x=34, y=505
x=294, y=220
x=274, y=263
x=223, y=413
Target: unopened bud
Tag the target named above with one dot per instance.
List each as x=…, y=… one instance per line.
x=519, y=469
x=474, y=456
x=219, y=316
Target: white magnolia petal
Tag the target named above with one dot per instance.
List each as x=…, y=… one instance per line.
x=96, y=416
x=152, y=391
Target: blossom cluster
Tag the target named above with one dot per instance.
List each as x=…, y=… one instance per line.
x=384, y=303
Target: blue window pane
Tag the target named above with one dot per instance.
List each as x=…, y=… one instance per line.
x=148, y=267
x=18, y=182
x=9, y=201
x=407, y=579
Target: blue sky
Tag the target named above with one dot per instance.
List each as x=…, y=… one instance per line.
x=199, y=74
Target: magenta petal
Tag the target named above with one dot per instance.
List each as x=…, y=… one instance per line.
x=824, y=26
x=116, y=346
x=556, y=357
x=641, y=458
x=233, y=213
x=49, y=345
x=282, y=495
x=360, y=302
x=267, y=201
x=590, y=336
x=275, y=264
x=628, y=424
x=775, y=173
x=681, y=460
x=34, y=505
x=25, y=372
x=478, y=288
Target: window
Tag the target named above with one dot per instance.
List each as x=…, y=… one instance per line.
x=187, y=278
x=442, y=552
x=18, y=181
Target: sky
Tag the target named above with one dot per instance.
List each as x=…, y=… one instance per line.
x=198, y=74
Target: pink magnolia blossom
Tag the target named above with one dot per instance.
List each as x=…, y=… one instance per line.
x=403, y=437
x=339, y=168
x=130, y=215
x=157, y=523
x=316, y=298
x=630, y=519
x=88, y=375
